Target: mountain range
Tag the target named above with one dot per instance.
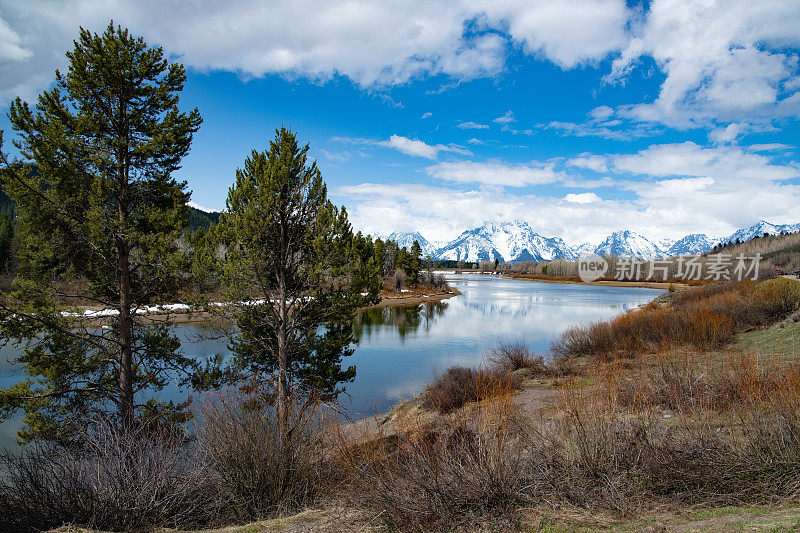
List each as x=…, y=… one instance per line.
x=517, y=241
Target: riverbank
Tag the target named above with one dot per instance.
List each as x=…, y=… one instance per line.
x=699, y=434
x=187, y=314
x=574, y=280
x=414, y=296
x=657, y=419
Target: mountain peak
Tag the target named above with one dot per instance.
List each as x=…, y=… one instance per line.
x=627, y=243
x=760, y=228
x=517, y=241
x=505, y=241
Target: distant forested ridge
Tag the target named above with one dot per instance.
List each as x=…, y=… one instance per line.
x=197, y=219
x=202, y=219
x=6, y=205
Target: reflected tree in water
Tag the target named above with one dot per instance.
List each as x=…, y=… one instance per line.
x=407, y=319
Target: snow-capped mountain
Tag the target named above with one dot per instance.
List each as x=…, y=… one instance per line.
x=696, y=243
x=516, y=241
x=406, y=240
x=629, y=244
x=507, y=242
x=585, y=249
x=666, y=244
x=759, y=229
x=201, y=207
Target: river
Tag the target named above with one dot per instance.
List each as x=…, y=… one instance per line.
x=400, y=348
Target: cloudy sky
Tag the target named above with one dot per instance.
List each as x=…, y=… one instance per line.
x=578, y=116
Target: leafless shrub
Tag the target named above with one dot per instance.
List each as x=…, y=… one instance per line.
x=619, y=458
x=438, y=478
x=399, y=279
x=117, y=480
x=460, y=385
x=433, y=281
x=510, y=357
x=255, y=469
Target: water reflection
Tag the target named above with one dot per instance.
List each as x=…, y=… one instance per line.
x=400, y=348
x=407, y=320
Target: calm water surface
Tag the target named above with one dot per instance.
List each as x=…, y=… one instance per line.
x=401, y=348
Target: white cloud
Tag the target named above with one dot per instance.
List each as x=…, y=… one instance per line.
x=471, y=126
x=602, y=122
x=689, y=159
x=716, y=206
x=569, y=32
x=582, y=198
x=345, y=155
x=601, y=113
x=10, y=45
x=592, y=162
x=670, y=208
x=768, y=147
x=494, y=173
x=372, y=43
x=441, y=213
x=727, y=134
x=507, y=118
x=724, y=61
x=413, y=147
x=677, y=189
x=427, y=115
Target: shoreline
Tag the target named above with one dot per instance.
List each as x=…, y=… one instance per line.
x=189, y=316
x=413, y=298
x=663, y=285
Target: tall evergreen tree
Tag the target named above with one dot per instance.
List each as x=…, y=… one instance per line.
x=294, y=261
x=6, y=242
x=98, y=223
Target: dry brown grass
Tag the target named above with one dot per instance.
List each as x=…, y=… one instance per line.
x=458, y=472
x=460, y=385
x=706, y=318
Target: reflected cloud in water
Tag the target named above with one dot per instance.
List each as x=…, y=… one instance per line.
x=400, y=348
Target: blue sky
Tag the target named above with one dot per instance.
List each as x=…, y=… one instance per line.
x=580, y=117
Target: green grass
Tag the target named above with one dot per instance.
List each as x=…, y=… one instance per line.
x=775, y=340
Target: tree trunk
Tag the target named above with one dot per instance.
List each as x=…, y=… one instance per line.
x=282, y=399
x=125, y=336
x=126, y=405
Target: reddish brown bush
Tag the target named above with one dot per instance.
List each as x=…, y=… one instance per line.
x=461, y=385
x=706, y=317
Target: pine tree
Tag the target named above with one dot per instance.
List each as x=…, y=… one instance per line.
x=416, y=261
x=99, y=214
x=295, y=264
